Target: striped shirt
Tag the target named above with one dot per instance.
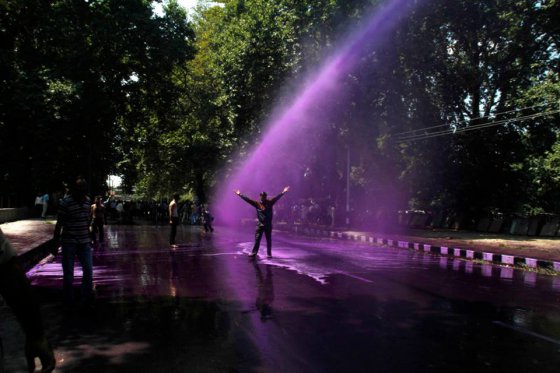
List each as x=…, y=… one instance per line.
x=74, y=217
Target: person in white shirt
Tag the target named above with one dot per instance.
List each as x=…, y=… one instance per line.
x=45, y=200
x=173, y=219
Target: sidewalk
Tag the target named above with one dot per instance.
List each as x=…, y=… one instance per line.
x=31, y=238
x=523, y=251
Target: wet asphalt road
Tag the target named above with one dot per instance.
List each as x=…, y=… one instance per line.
x=316, y=306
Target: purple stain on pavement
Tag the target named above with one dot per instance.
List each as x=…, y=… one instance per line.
x=301, y=133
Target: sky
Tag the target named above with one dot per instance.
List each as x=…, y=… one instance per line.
x=114, y=181
x=187, y=4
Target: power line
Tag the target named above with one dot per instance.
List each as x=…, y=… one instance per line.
x=469, y=120
x=470, y=128
x=474, y=127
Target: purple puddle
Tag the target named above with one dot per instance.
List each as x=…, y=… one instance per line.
x=302, y=133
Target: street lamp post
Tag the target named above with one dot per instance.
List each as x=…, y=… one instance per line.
x=348, y=186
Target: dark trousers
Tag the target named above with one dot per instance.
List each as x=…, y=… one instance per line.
x=173, y=233
x=97, y=228
x=83, y=251
x=258, y=235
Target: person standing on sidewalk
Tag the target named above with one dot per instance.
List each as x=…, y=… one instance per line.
x=45, y=200
x=38, y=205
x=72, y=231
x=173, y=218
x=17, y=292
x=264, y=217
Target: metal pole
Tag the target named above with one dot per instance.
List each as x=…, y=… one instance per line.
x=348, y=186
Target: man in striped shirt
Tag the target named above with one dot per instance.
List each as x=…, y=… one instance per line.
x=72, y=231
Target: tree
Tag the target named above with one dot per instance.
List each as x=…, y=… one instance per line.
x=471, y=61
x=72, y=72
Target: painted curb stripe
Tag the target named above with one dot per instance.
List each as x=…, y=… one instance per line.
x=531, y=262
x=443, y=250
x=508, y=259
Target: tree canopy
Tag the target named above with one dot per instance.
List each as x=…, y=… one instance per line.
x=457, y=110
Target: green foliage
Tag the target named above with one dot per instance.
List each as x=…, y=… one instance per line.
x=468, y=63
x=106, y=86
x=73, y=71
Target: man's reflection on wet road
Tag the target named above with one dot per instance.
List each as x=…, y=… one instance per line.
x=265, y=291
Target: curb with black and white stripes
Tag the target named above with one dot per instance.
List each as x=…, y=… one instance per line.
x=486, y=256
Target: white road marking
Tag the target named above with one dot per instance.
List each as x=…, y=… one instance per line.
x=528, y=332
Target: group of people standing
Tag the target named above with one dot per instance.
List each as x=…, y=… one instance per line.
x=76, y=216
x=79, y=223
x=264, y=209
x=174, y=219
x=72, y=234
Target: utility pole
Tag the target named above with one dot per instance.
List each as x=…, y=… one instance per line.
x=348, y=185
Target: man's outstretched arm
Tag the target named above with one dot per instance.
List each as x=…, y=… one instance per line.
x=273, y=200
x=247, y=199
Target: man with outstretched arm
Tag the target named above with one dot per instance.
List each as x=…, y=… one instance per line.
x=264, y=217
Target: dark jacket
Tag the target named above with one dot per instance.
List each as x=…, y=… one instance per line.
x=264, y=209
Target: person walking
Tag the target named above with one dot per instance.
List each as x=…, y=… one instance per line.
x=173, y=219
x=120, y=211
x=98, y=220
x=264, y=209
x=207, y=219
x=72, y=231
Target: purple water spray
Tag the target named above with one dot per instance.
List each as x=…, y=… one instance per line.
x=299, y=131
